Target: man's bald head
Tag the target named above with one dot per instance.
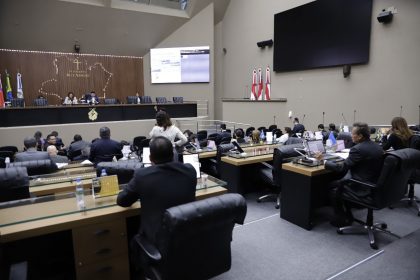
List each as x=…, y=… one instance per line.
x=52, y=150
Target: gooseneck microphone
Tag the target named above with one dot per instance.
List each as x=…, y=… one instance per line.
x=323, y=117
x=401, y=109
x=354, y=116
x=344, y=119
x=303, y=119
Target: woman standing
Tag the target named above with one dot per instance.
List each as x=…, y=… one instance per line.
x=165, y=128
x=400, y=135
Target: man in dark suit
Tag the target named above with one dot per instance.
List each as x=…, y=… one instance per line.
x=364, y=163
x=297, y=128
x=31, y=153
x=163, y=185
x=104, y=149
x=76, y=147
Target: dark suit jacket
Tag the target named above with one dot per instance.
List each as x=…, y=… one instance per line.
x=364, y=162
x=75, y=148
x=159, y=187
x=31, y=154
x=298, y=128
x=104, y=150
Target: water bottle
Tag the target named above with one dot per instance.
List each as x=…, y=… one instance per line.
x=80, y=196
x=103, y=173
x=7, y=161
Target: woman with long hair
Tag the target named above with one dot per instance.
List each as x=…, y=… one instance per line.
x=165, y=128
x=400, y=135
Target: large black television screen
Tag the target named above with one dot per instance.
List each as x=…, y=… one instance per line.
x=321, y=34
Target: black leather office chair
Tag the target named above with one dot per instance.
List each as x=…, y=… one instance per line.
x=202, y=135
x=161, y=100
x=346, y=136
x=36, y=167
x=390, y=188
x=178, y=99
x=39, y=102
x=145, y=99
x=132, y=99
x=14, y=149
x=214, y=166
x=14, y=183
x=110, y=101
x=136, y=144
x=194, y=240
x=272, y=127
x=249, y=131
x=123, y=169
x=9, y=154
x=17, y=102
x=271, y=174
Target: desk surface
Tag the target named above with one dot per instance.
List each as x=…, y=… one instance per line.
x=256, y=158
x=305, y=170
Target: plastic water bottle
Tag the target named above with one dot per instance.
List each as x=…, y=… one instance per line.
x=80, y=196
x=7, y=161
x=103, y=173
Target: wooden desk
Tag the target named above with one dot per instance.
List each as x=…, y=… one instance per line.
x=303, y=189
x=76, y=170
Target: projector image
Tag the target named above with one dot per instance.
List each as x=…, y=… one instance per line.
x=385, y=16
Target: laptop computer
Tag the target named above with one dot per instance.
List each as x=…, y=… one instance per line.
x=340, y=145
x=193, y=159
x=146, y=157
x=317, y=146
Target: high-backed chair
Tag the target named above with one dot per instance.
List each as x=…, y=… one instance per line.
x=178, y=99
x=39, y=102
x=271, y=174
x=132, y=99
x=390, y=188
x=194, y=240
x=136, y=143
x=110, y=101
x=346, y=136
x=272, y=127
x=123, y=169
x=9, y=154
x=14, y=183
x=145, y=99
x=202, y=135
x=161, y=100
x=36, y=167
x=249, y=131
x=17, y=102
x=14, y=149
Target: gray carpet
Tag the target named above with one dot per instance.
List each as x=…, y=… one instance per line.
x=269, y=247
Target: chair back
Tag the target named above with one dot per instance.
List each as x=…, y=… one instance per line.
x=9, y=154
x=346, y=136
x=40, y=102
x=110, y=101
x=131, y=99
x=123, y=169
x=36, y=167
x=222, y=149
x=397, y=168
x=282, y=155
x=145, y=99
x=202, y=135
x=178, y=99
x=17, y=102
x=249, y=131
x=194, y=240
x=14, y=184
x=136, y=142
x=161, y=100
x=272, y=127
x=14, y=149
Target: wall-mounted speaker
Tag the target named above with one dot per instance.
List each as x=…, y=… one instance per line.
x=346, y=70
x=385, y=16
x=264, y=44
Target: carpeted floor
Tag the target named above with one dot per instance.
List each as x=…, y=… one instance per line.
x=267, y=247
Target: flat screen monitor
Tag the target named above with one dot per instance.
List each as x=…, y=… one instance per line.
x=194, y=161
x=146, y=156
x=180, y=65
x=322, y=33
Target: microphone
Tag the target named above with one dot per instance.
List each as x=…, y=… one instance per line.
x=323, y=117
x=303, y=118
x=354, y=116
x=345, y=121
x=401, y=111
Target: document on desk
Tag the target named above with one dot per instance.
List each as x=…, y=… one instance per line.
x=61, y=165
x=86, y=162
x=341, y=155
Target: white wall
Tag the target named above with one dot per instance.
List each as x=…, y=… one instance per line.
x=376, y=90
x=199, y=31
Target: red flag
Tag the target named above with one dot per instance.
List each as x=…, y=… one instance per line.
x=1, y=95
x=254, y=85
x=260, y=84
x=267, y=84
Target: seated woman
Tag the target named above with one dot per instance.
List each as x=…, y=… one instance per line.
x=400, y=134
x=283, y=138
x=255, y=137
x=70, y=99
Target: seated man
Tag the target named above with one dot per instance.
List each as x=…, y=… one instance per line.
x=364, y=163
x=52, y=140
x=92, y=99
x=104, y=149
x=76, y=147
x=31, y=153
x=58, y=140
x=53, y=153
x=163, y=185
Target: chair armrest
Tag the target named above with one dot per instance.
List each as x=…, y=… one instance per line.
x=148, y=248
x=364, y=184
x=267, y=165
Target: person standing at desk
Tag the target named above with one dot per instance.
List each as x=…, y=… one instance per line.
x=364, y=163
x=298, y=127
x=165, y=128
x=70, y=99
x=400, y=135
x=163, y=185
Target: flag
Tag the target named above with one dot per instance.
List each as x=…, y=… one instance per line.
x=254, y=85
x=332, y=138
x=260, y=84
x=19, y=86
x=1, y=95
x=267, y=84
x=8, y=88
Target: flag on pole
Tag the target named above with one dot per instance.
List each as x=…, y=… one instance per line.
x=254, y=85
x=260, y=84
x=267, y=84
x=8, y=88
x=332, y=138
x=19, y=85
x=1, y=95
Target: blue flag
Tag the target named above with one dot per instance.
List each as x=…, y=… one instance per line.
x=262, y=135
x=332, y=138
